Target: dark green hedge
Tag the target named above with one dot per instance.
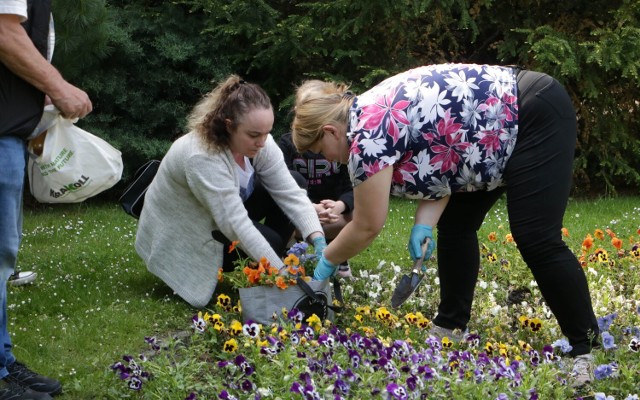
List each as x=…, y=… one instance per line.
x=145, y=63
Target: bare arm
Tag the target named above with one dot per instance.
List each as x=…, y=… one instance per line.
x=428, y=212
x=19, y=54
x=369, y=215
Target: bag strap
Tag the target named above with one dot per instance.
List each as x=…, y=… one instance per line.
x=336, y=290
x=143, y=167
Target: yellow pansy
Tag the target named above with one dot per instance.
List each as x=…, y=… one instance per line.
x=235, y=328
x=230, y=346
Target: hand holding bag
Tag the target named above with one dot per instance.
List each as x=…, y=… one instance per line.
x=74, y=165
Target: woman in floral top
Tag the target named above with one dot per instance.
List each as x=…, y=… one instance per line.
x=456, y=137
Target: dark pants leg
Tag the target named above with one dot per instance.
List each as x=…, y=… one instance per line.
x=538, y=177
x=268, y=218
x=459, y=255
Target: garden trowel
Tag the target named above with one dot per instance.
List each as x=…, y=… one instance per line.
x=409, y=283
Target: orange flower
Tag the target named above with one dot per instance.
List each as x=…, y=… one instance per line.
x=583, y=262
x=587, y=243
x=617, y=243
x=264, y=264
x=220, y=275
x=610, y=232
x=492, y=237
x=565, y=232
x=233, y=245
x=598, y=234
x=253, y=275
x=281, y=283
x=508, y=237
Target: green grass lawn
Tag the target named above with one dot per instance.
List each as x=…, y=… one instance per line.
x=94, y=301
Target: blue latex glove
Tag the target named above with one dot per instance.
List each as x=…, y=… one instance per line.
x=420, y=233
x=324, y=269
x=319, y=244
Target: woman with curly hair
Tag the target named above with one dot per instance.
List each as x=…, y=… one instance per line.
x=225, y=180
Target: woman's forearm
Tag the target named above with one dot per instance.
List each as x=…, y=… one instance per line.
x=428, y=212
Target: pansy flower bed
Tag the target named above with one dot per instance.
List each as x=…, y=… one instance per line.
x=514, y=348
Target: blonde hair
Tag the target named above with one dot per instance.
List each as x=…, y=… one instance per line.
x=232, y=99
x=318, y=103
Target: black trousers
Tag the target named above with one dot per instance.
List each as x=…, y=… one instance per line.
x=538, y=177
x=267, y=217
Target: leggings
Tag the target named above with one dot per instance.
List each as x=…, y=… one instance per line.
x=268, y=218
x=538, y=179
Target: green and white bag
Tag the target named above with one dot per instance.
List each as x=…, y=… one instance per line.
x=74, y=165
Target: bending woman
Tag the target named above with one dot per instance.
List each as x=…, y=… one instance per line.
x=214, y=186
x=455, y=137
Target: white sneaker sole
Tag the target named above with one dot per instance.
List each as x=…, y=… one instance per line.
x=344, y=272
x=23, y=278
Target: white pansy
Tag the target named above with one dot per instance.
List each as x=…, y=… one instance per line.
x=264, y=392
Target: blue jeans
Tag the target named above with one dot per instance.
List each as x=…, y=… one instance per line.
x=13, y=156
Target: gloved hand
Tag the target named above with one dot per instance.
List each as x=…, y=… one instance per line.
x=420, y=233
x=319, y=244
x=324, y=269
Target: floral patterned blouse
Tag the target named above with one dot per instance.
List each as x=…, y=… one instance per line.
x=444, y=128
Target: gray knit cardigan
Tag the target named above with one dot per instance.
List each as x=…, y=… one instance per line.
x=197, y=191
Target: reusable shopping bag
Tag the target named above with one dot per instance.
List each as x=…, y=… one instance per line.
x=74, y=165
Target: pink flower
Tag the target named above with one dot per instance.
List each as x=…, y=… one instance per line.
x=384, y=108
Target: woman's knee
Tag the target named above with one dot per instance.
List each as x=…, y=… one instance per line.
x=538, y=248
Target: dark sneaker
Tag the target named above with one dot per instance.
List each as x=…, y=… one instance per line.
x=20, y=278
x=9, y=390
x=23, y=376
